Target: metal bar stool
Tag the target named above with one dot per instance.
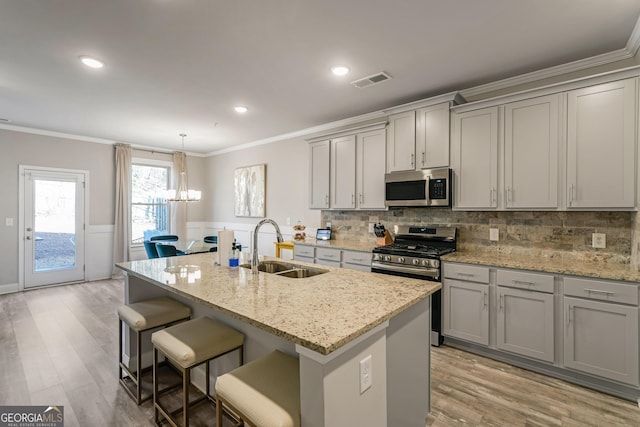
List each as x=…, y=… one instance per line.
x=264, y=392
x=140, y=317
x=188, y=345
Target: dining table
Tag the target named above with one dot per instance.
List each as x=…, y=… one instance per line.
x=188, y=246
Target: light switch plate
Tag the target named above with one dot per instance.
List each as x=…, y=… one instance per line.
x=494, y=234
x=8, y=222
x=371, y=227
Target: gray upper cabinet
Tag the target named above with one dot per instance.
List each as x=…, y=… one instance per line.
x=319, y=159
x=475, y=159
x=432, y=136
x=343, y=172
x=370, y=167
x=532, y=130
x=401, y=142
x=601, y=135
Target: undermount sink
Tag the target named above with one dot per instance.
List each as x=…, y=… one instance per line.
x=285, y=269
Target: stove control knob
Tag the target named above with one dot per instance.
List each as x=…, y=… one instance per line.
x=425, y=262
x=387, y=258
x=415, y=261
x=401, y=260
x=376, y=257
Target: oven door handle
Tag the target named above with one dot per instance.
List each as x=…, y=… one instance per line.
x=426, y=272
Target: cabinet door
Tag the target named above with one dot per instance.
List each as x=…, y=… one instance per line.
x=370, y=154
x=601, y=146
x=525, y=323
x=531, y=153
x=319, y=175
x=602, y=339
x=401, y=142
x=475, y=145
x=432, y=136
x=466, y=311
x=343, y=172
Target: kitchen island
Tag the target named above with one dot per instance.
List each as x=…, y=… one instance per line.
x=332, y=321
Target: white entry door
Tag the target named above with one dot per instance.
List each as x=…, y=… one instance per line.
x=53, y=221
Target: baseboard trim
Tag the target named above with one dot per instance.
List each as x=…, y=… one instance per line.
x=9, y=288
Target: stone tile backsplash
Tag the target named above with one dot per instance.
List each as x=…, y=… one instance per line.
x=547, y=234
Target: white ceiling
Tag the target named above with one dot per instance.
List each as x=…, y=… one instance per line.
x=176, y=66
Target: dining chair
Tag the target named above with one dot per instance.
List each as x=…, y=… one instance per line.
x=150, y=247
x=211, y=240
x=167, y=237
x=167, y=251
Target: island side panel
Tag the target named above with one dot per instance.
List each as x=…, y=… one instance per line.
x=330, y=386
x=409, y=366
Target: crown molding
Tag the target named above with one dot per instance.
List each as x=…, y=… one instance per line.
x=82, y=138
x=559, y=70
x=633, y=44
x=327, y=127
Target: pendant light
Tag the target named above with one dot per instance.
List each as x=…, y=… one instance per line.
x=183, y=193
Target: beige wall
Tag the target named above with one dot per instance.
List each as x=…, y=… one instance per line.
x=18, y=148
x=287, y=183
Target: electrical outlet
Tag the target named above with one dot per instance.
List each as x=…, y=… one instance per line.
x=599, y=240
x=288, y=220
x=494, y=234
x=371, y=227
x=328, y=224
x=8, y=222
x=366, y=374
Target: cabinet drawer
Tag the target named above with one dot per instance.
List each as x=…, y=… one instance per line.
x=524, y=280
x=328, y=254
x=600, y=290
x=303, y=250
x=471, y=273
x=356, y=257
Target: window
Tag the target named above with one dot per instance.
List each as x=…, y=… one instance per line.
x=149, y=209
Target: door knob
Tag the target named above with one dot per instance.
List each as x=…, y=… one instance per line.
x=28, y=237
x=29, y=229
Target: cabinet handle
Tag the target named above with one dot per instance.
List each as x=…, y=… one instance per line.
x=501, y=306
x=508, y=194
x=466, y=274
x=413, y=160
x=361, y=198
x=598, y=291
x=326, y=200
x=423, y=159
x=484, y=298
x=492, y=196
x=571, y=190
x=523, y=282
x=353, y=200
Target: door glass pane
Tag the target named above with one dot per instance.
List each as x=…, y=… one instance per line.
x=54, y=226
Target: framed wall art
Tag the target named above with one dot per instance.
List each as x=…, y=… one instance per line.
x=249, y=191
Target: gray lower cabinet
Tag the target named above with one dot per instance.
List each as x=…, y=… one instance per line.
x=328, y=256
x=356, y=260
x=304, y=253
x=525, y=323
x=601, y=328
x=466, y=310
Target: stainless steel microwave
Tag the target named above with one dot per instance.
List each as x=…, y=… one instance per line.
x=427, y=187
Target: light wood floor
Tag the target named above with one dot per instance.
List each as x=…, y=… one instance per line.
x=58, y=346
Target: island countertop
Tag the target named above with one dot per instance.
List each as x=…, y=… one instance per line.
x=322, y=312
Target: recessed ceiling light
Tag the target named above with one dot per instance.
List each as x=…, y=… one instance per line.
x=2, y=119
x=340, y=70
x=241, y=109
x=91, y=62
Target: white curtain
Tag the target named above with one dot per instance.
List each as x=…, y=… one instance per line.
x=122, y=229
x=179, y=209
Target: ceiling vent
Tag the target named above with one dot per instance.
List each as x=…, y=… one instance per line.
x=371, y=80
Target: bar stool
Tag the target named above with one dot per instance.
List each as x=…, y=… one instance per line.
x=188, y=345
x=140, y=317
x=263, y=393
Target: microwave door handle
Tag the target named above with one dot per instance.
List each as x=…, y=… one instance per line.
x=428, y=188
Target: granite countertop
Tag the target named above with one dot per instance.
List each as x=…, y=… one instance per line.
x=322, y=312
x=559, y=263
x=337, y=244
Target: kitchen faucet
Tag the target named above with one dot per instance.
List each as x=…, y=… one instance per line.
x=254, y=257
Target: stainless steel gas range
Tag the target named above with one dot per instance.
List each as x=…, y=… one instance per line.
x=416, y=253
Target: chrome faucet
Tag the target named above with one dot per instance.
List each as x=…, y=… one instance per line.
x=254, y=257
